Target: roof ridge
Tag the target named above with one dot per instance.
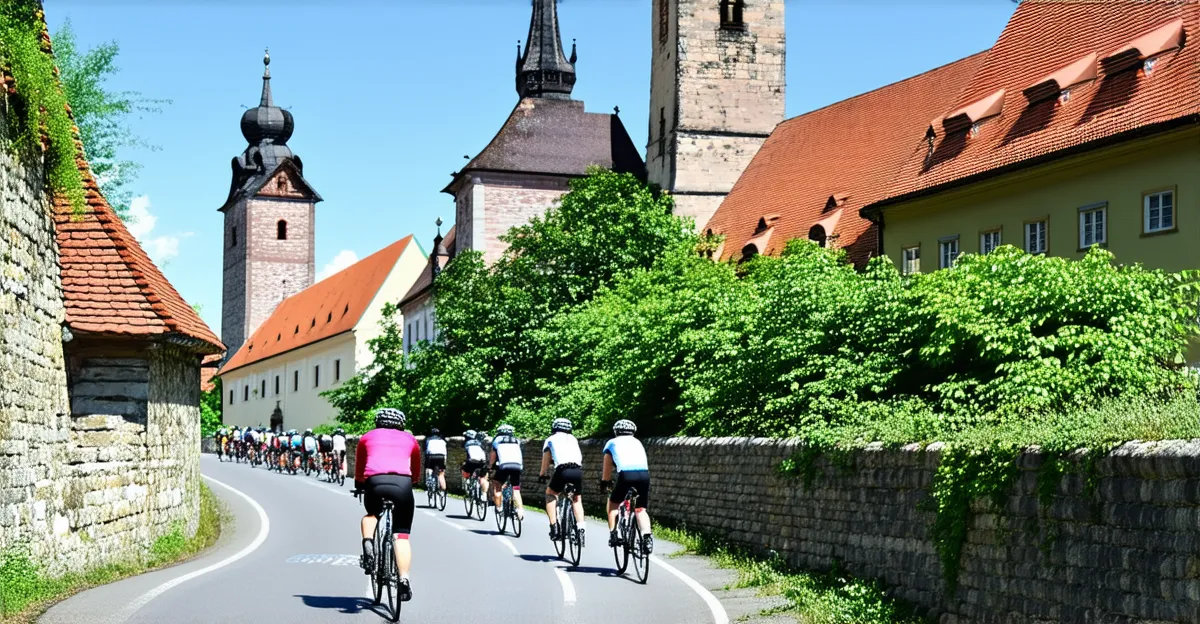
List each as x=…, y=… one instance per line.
x=888, y=85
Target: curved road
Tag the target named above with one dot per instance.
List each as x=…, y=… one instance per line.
x=292, y=556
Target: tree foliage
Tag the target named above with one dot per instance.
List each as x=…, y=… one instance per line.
x=102, y=115
x=210, y=409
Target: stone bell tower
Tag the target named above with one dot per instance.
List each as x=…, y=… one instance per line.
x=270, y=217
x=716, y=93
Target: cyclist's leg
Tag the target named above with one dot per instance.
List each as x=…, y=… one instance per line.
x=497, y=486
x=642, y=483
x=441, y=476
x=518, y=503
x=373, y=505
x=575, y=477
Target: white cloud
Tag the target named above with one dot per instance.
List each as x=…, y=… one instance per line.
x=343, y=259
x=141, y=223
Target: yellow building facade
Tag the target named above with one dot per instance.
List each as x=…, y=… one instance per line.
x=1139, y=199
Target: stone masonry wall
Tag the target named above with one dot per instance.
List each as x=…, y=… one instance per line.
x=34, y=426
x=1127, y=552
x=510, y=203
x=277, y=268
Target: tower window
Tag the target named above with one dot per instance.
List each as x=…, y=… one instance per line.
x=664, y=17
x=731, y=14
x=662, y=131
x=281, y=230
x=233, y=236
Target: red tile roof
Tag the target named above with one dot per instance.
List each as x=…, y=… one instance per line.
x=330, y=307
x=847, y=153
x=1045, y=40
x=110, y=286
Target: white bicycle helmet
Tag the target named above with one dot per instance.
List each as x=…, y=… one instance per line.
x=389, y=418
x=624, y=427
x=505, y=430
x=560, y=425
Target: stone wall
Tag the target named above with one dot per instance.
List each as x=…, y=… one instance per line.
x=492, y=203
x=1127, y=552
x=34, y=426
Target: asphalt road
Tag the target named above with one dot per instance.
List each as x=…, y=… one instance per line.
x=292, y=556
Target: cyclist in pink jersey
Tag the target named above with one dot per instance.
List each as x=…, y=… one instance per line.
x=385, y=462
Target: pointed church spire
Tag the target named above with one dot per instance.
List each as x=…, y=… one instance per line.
x=266, y=94
x=544, y=71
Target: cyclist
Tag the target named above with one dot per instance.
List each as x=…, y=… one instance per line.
x=296, y=442
x=250, y=439
x=310, y=447
x=435, y=456
x=507, y=464
x=562, y=451
x=235, y=441
x=222, y=437
x=626, y=455
x=339, y=448
x=476, y=459
x=385, y=462
x=325, y=448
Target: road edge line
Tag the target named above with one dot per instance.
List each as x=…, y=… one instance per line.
x=264, y=528
x=714, y=605
x=568, y=587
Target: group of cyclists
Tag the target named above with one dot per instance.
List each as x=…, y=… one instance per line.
x=285, y=451
x=389, y=457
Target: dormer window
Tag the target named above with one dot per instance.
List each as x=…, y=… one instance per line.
x=765, y=222
x=1058, y=84
x=972, y=114
x=1167, y=37
x=731, y=14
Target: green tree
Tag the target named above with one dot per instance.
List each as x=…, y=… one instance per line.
x=210, y=409
x=102, y=115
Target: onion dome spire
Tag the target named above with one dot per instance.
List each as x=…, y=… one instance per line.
x=267, y=123
x=544, y=71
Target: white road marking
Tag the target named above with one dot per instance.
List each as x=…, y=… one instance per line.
x=714, y=605
x=511, y=546
x=264, y=528
x=429, y=513
x=459, y=527
x=567, y=586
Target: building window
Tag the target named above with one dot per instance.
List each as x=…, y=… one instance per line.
x=233, y=236
x=1035, y=237
x=295, y=381
x=731, y=14
x=276, y=385
x=337, y=370
x=912, y=260
x=231, y=397
x=989, y=241
x=263, y=394
x=947, y=252
x=246, y=392
x=662, y=132
x=1158, y=210
x=317, y=376
x=1092, y=226
x=281, y=230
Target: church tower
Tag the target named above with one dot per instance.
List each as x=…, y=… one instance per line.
x=269, y=222
x=716, y=93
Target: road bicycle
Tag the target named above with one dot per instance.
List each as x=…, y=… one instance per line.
x=473, y=499
x=223, y=451
x=252, y=455
x=385, y=577
x=569, y=542
x=632, y=540
x=508, y=511
x=434, y=492
x=332, y=469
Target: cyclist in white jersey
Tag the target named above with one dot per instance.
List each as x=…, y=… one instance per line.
x=562, y=451
x=476, y=458
x=339, y=447
x=625, y=455
x=506, y=461
x=435, y=456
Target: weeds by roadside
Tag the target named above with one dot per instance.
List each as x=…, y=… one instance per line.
x=814, y=598
x=26, y=591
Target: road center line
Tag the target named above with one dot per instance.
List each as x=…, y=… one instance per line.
x=568, y=587
x=264, y=527
x=460, y=528
x=511, y=546
x=714, y=605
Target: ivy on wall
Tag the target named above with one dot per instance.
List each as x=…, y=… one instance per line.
x=39, y=117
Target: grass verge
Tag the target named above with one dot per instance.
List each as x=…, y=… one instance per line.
x=828, y=598
x=26, y=591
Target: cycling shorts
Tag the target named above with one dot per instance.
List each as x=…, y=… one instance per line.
x=564, y=474
x=512, y=472
x=469, y=467
x=396, y=488
x=434, y=462
x=638, y=479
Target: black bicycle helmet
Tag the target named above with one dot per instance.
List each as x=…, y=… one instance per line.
x=435, y=432
x=389, y=418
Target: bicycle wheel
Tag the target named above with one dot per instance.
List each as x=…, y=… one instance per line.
x=441, y=496
x=394, y=592
x=502, y=517
x=341, y=477
x=621, y=551
x=377, y=580
x=469, y=501
x=574, y=545
x=560, y=545
x=430, y=496
x=641, y=560
x=516, y=520
x=481, y=506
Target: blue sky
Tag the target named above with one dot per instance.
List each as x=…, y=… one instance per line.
x=389, y=96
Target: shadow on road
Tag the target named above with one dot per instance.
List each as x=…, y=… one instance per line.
x=343, y=604
x=458, y=517
x=605, y=572
x=484, y=532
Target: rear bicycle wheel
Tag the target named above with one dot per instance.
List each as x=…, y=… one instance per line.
x=560, y=544
x=574, y=544
x=480, y=507
x=469, y=502
x=502, y=518
x=516, y=520
x=621, y=551
x=441, y=502
x=394, y=602
x=641, y=560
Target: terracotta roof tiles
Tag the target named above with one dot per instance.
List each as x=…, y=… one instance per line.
x=330, y=307
x=847, y=152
